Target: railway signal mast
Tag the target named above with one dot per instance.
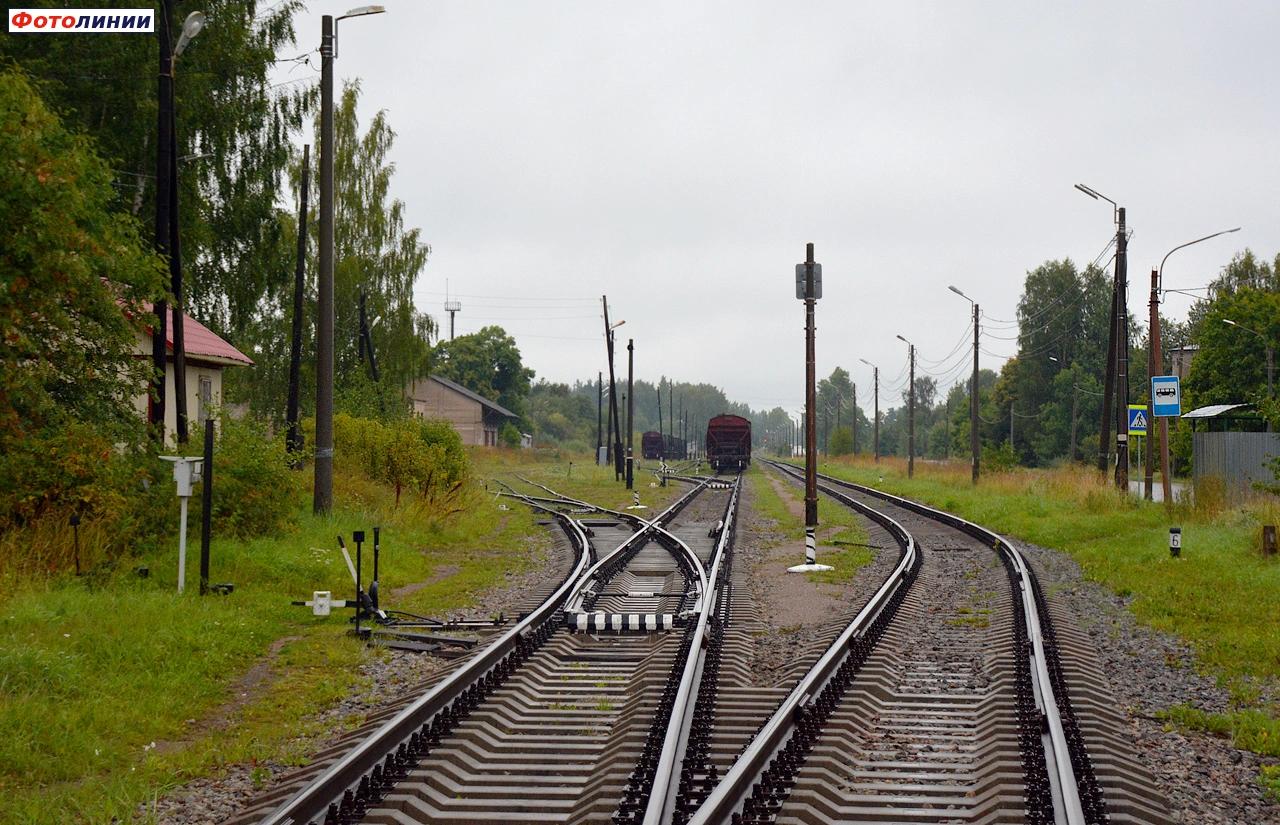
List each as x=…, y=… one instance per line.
x=809, y=289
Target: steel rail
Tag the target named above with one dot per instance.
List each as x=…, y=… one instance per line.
x=1068, y=808
x=662, y=794
x=648, y=529
x=729, y=795
x=312, y=802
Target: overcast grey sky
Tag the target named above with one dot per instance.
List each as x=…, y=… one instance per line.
x=677, y=156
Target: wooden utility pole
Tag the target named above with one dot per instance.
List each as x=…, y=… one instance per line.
x=1122, y=356
x=293, y=439
x=613, y=394
x=1157, y=360
x=1108, y=390
x=631, y=409
x=974, y=441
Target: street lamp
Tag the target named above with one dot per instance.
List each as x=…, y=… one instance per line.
x=875, y=373
x=1155, y=362
x=1270, y=356
x=911, y=408
x=166, y=228
x=973, y=389
x=323, y=494
x=1160, y=271
x=1116, y=393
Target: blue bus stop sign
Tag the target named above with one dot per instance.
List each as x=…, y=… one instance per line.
x=1166, y=396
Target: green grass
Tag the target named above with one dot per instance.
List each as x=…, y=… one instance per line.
x=1221, y=595
x=575, y=475
x=836, y=523
x=94, y=670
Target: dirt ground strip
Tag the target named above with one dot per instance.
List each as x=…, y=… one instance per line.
x=796, y=610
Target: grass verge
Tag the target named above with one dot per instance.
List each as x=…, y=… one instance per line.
x=839, y=527
x=115, y=690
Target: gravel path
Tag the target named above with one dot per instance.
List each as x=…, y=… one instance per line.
x=1204, y=777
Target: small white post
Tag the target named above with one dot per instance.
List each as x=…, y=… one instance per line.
x=810, y=554
x=182, y=544
x=186, y=472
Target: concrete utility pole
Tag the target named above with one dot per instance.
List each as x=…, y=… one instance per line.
x=192, y=26
x=599, y=411
x=164, y=148
x=974, y=441
x=631, y=409
x=875, y=380
x=854, y=416
x=911, y=408
x=322, y=499
x=973, y=391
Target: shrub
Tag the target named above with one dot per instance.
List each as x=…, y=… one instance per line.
x=509, y=435
x=423, y=455
x=999, y=458
x=251, y=480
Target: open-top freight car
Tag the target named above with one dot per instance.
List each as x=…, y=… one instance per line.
x=651, y=445
x=729, y=443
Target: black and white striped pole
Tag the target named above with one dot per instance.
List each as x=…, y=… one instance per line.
x=809, y=289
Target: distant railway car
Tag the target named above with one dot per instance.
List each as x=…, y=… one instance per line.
x=651, y=445
x=729, y=442
x=675, y=448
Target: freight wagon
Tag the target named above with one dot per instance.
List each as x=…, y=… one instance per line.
x=729, y=443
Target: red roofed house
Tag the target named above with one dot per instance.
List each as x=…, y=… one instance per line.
x=207, y=356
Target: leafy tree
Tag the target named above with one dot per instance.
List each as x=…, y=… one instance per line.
x=509, y=435
x=234, y=131
x=486, y=362
x=842, y=441
x=76, y=277
x=373, y=253
x=1231, y=364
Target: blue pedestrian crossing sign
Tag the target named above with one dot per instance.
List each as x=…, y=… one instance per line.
x=1137, y=419
x=1166, y=396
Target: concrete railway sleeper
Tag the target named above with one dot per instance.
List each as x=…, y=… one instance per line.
x=941, y=712
x=753, y=788
x=543, y=702
x=760, y=784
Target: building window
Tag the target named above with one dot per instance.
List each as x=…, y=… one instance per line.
x=205, y=398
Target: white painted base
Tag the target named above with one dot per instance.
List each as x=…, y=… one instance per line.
x=809, y=568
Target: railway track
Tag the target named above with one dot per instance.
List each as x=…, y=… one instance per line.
x=567, y=715
x=947, y=699
x=947, y=690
